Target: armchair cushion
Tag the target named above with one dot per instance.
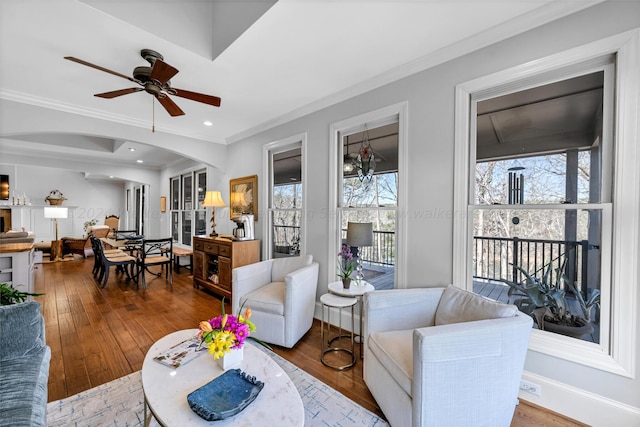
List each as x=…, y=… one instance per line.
x=395, y=352
x=268, y=299
x=457, y=305
x=283, y=266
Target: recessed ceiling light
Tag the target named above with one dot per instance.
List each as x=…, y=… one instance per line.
x=132, y=149
x=139, y=161
x=207, y=123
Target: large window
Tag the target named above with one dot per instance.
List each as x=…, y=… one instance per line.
x=546, y=174
x=188, y=218
x=368, y=188
x=285, y=202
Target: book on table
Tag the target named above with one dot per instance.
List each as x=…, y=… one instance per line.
x=181, y=353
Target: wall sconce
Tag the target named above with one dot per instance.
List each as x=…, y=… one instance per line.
x=163, y=204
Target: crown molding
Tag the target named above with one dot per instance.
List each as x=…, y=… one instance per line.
x=28, y=99
x=540, y=16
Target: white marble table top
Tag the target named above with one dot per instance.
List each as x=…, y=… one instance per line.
x=353, y=291
x=166, y=389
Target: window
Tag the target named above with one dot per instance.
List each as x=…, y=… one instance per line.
x=371, y=199
x=286, y=197
x=188, y=218
x=560, y=189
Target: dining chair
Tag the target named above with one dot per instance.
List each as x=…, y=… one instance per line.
x=154, y=253
x=113, y=258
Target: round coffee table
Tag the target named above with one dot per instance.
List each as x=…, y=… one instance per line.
x=166, y=389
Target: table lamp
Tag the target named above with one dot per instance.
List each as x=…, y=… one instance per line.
x=55, y=213
x=213, y=199
x=359, y=234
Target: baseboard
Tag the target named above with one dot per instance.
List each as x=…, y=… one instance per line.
x=580, y=405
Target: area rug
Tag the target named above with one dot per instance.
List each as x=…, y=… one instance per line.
x=119, y=403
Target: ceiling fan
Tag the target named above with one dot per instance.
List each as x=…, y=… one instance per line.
x=153, y=80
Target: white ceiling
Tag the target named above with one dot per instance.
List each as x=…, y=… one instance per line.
x=298, y=55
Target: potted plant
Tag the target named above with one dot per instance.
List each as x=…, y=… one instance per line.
x=10, y=295
x=545, y=300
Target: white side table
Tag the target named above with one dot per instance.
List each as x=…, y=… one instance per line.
x=354, y=292
x=330, y=301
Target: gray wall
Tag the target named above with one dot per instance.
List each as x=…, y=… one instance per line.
x=430, y=95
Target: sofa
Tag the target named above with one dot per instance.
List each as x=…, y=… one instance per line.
x=24, y=366
x=13, y=236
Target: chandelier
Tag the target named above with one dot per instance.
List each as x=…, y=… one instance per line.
x=365, y=162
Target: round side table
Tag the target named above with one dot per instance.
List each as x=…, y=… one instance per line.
x=330, y=301
x=353, y=291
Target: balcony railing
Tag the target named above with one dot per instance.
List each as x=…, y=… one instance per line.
x=382, y=252
x=497, y=258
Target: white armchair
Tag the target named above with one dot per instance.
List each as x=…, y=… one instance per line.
x=282, y=295
x=443, y=357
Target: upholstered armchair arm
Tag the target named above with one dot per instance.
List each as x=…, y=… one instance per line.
x=400, y=309
x=299, y=299
x=486, y=350
x=74, y=242
x=247, y=279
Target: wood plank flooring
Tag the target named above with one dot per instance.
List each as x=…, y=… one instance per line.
x=97, y=335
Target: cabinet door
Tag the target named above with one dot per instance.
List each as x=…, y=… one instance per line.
x=224, y=272
x=198, y=265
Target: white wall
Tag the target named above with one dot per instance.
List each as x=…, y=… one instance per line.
x=87, y=199
x=585, y=393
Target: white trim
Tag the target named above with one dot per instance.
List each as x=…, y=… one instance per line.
x=265, y=203
x=547, y=13
x=583, y=406
x=392, y=113
x=618, y=357
x=101, y=115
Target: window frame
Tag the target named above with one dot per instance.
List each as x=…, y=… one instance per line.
x=393, y=113
x=621, y=233
x=286, y=144
x=179, y=182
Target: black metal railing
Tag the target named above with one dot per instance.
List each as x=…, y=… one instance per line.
x=498, y=258
x=383, y=250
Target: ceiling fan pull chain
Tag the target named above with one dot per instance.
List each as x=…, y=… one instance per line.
x=153, y=114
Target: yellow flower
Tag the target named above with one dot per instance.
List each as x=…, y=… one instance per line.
x=247, y=313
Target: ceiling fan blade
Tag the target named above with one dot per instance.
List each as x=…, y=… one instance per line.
x=198, y=97
x=171, y=107
x=120, y=92
x=97, y=67
x=162, y=71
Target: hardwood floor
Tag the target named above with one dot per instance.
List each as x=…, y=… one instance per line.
x=97, y=335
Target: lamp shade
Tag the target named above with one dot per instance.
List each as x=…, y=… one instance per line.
x=360, y=234
x=213, y=199
x=51, y=212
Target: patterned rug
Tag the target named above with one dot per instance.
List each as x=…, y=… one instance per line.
x=119, y=403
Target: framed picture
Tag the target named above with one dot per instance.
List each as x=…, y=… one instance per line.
x=243, y=195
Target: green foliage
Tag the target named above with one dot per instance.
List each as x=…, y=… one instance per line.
x=545, y=299
x=10, y=295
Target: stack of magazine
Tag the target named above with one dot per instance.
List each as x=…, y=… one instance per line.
x=182, y=353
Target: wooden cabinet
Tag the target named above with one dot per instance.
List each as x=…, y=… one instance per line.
x=213, y=260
